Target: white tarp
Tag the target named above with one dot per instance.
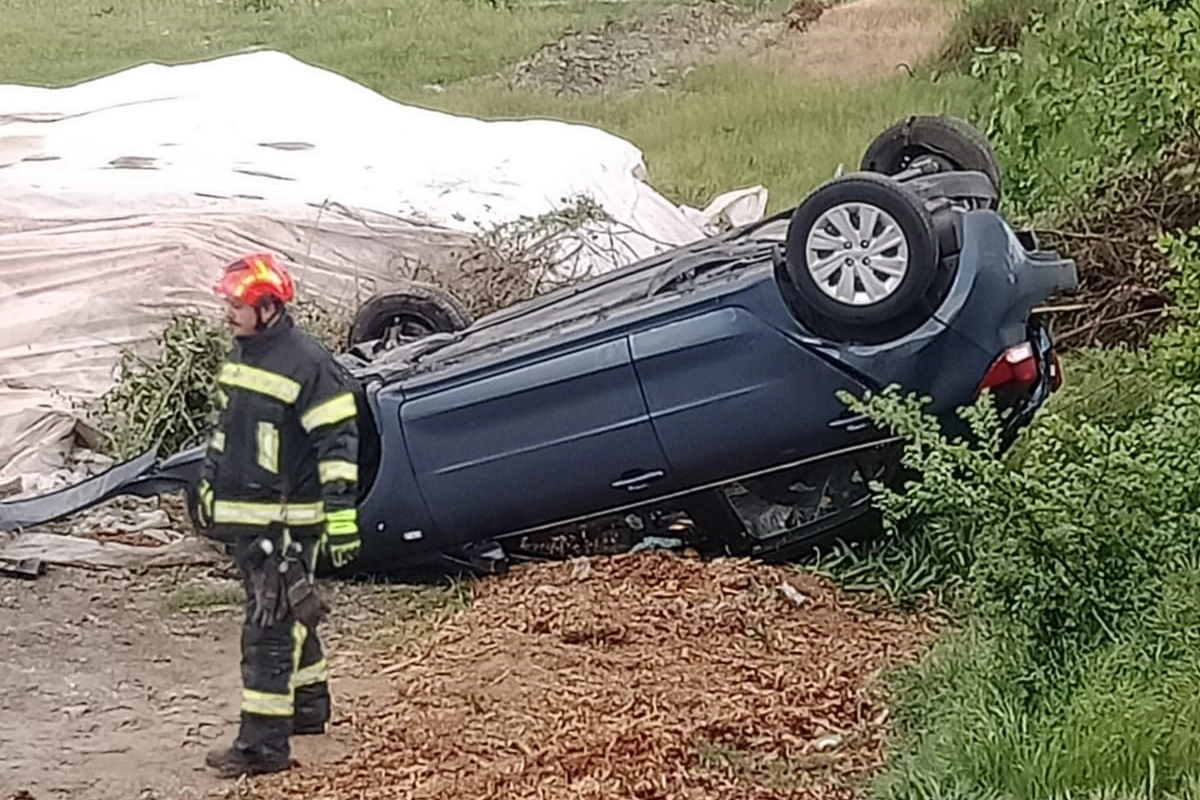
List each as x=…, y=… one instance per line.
x=121, y=196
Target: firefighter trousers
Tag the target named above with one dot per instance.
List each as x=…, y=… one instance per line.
x=285, y=679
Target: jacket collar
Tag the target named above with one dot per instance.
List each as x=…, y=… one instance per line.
x=268, y=337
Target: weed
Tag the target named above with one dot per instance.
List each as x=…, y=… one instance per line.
x=1099, y=91
x=412, y=612
x=991, y=25
x=196, y=595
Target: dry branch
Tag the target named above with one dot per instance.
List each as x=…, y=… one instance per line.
x=1122, y=274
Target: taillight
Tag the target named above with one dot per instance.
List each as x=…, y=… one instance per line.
x=1016, y=366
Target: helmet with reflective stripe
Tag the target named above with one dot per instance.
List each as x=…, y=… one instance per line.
x=255, y=278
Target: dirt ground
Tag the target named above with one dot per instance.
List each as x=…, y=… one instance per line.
x=862, y=40
x=828, y=40
x=110, y=690
x=649, y=675
x=645, y=675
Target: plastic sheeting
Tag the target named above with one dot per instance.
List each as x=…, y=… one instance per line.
x=120, y=197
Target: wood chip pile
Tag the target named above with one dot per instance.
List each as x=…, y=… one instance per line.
x=647, y=676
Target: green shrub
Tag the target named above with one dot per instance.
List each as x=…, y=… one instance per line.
x=1178, y=346
x=1077, y=571
x=1092, y=93
x=992, y=25
x=166, y=399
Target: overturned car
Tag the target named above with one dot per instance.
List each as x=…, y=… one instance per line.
x=693, y=394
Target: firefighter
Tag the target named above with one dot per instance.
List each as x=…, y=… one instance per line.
x=279, y=484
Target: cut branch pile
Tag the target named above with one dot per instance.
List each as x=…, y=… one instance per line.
x=638, y=676
x=529, y=256
x=1122, y=276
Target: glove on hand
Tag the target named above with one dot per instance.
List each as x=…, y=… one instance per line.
x=267, y=580
x=342, y=542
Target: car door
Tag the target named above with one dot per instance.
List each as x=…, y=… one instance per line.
x=553, y=438
x=729, y=394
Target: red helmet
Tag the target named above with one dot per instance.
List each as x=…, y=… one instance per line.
x=254, y=278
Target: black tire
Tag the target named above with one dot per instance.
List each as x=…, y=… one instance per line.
x=419, y=309
x=906, y=304
x=953, y=142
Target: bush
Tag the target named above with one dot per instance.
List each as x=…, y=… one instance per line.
x=992, y=25
x=1076, y=568
x=166, y=400
x=1098, y=91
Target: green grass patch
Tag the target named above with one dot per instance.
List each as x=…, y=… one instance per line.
x=388, y=46
x=1128, y=726
x=727, y=125
x=413, y=612
x=737, y=124
x=197, y=595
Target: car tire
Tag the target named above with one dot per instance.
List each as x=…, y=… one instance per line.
x=419, y=309
x=833, y=277
x=954, y=143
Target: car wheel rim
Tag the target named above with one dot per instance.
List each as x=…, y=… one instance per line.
x=857, y=254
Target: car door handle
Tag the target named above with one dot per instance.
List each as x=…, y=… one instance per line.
x=638, y=482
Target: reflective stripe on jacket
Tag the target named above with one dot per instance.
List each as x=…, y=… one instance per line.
x=287, y=431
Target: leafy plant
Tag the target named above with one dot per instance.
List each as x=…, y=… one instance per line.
x=329, y=324
x=990, y=25
x=1077, y=575
x=166, y=399
x=1178, y=346
x=1092, y=93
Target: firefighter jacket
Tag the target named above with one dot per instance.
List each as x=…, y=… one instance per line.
x=285, y=447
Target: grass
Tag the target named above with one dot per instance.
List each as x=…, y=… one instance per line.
x=197, y=595
x=726, y=126
x=710, y=133
x=390, y=47
x=1128, y=728
x=412, y=612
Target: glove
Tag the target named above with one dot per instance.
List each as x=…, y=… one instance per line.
x=204, y=506
x=302, y=596
x=342, y=542
x=268, y=582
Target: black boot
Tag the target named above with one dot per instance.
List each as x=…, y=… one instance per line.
x=312, y=710
x=235, y=761
x=261, y=747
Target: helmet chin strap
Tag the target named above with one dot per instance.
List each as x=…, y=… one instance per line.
x=261, y=324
